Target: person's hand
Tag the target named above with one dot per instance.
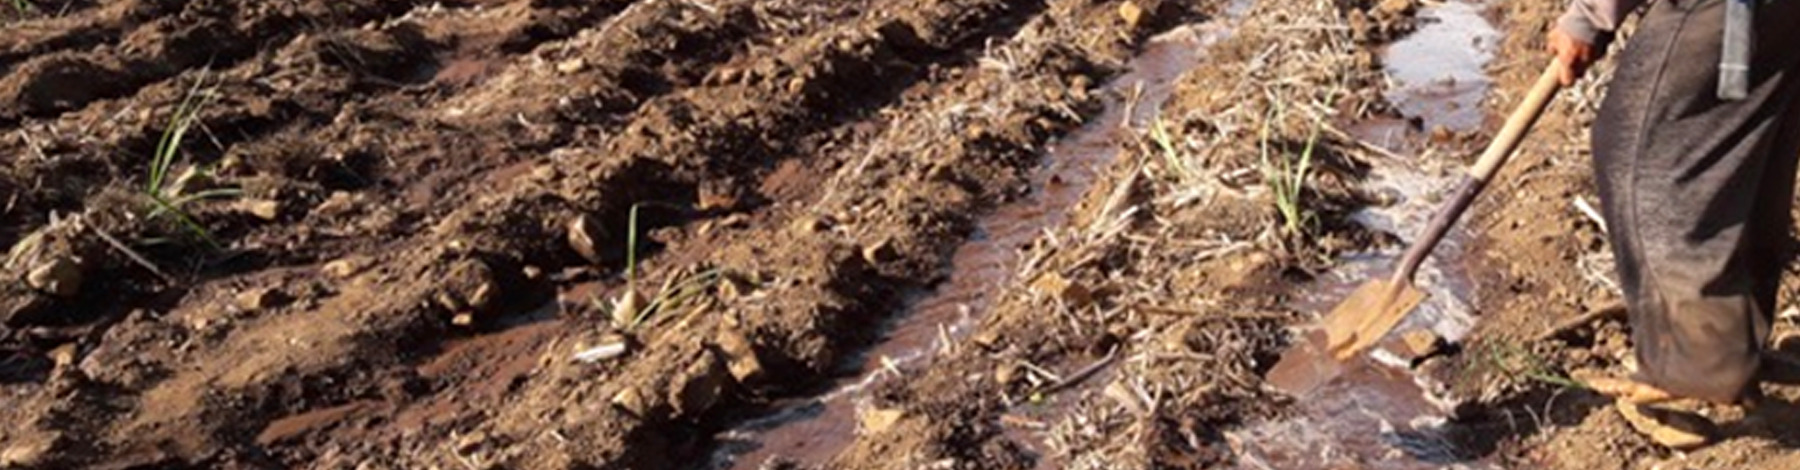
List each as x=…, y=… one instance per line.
x=1573, y=56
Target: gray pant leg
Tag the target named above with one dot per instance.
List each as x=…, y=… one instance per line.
x=1698, y=190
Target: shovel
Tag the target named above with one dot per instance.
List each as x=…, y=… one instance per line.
x=1376, y=307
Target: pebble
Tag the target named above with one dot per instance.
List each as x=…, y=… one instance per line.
x=1132, y=13
x=61, y=277
x=584, y=236
x=740, y=355
x=262, y=298
x=264, y=209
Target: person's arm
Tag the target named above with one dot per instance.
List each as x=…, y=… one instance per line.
x=1581, y=34
x=1592, y=21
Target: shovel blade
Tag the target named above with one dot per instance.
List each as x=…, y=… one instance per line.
x=1370, y=312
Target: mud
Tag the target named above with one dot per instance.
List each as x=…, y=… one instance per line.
x=392, y=191
x=813, y=432
x=649, y=233
x=1378, y=412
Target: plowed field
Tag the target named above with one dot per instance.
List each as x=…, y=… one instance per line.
x=646, y=234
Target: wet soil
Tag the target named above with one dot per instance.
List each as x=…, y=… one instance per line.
x=396, y=224
x=795, y=233
x=812, y=432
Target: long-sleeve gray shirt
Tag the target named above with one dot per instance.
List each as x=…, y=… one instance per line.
x=1588, y=19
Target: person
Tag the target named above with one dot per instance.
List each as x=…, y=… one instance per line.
x=1695, y=187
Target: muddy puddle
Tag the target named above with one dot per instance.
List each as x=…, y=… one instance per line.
x=812, y=431
x=1375, y=412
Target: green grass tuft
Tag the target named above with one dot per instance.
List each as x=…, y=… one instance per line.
x=1286, y=177
x=167, y=198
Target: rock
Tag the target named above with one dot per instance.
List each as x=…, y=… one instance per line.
x=712, y=197
x=697, y=388
x=469, y=285
x=339, y=202
x=60, y=276
x=1006, y=373
x=740, y=355
x=265, y=209
x=631, y=401
x=807, y=224
x=342, y=268
x=1132, y=13
x=63, y=355
x=874, y=421
x=584, y=236
x=1420, y=343
x=262, y=298
x=570, y=66
x=1394, y=8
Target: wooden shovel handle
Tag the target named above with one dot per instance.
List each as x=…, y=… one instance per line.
x=1498, y=152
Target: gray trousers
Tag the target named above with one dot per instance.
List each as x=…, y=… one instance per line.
x=1698, y=192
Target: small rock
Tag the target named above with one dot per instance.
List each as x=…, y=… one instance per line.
x=262, y=298
x=809, y=224
x=63, y=355
x=265, y=209
x=468, y=285
x=699, y=387
x=463, y=319
x=715, y=198
x=1132, y=13
x=544, y=172
x=571, y=66
x=60, y=277
x=584, y=236
x=339, y=202
x=1420, y=343
x=874, y=421
x=631, y=401
x=1006, y=372
x=342, y=268
x=740, y=355
x=1394, y=8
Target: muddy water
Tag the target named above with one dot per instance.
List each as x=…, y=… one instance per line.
x=1374, y=412
x=815, y=430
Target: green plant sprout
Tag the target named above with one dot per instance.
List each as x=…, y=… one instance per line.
x=166, y=198
x=1286, y=178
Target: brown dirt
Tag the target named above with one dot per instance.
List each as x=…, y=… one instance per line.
x=425, y=210
x=430, y=204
